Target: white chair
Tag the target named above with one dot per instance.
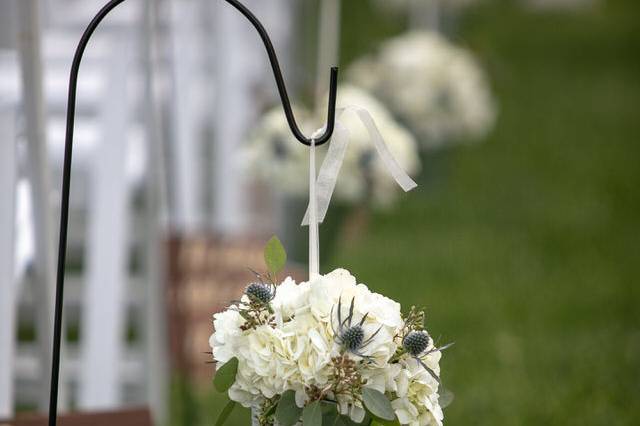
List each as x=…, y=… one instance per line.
x=8, y=284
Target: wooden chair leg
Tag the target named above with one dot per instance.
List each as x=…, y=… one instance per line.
x=131, y=417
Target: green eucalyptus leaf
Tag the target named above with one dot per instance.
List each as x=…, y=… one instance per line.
x=274, y=255
x=312, y=414
x=378, y=404
x=342, y=420
x=380, y=422
x=287, y=412
x=338, y=420
x=367, y=419
x=226, y=412
x=226, y=375
x=331, y=416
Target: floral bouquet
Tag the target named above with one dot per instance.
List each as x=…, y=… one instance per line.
x=325, y=352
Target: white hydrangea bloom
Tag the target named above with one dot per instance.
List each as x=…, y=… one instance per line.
x=434, y=87
x=296, y=352
x=274, y=155
x=417, y=391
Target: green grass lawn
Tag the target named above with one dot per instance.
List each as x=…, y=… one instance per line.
x=525, y=249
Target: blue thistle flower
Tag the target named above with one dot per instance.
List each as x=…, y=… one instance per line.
x=261, y=293
x=416, y=342
x=351, y=336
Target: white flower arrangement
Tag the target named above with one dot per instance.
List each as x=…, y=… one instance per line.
x=437, y=89
x=326, y=351
x=272, y=154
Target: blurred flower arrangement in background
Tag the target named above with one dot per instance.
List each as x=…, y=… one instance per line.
x=434, y=87
x=423, y=92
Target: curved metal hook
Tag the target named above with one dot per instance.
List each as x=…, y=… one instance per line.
x=284, y=97
x=68, y=148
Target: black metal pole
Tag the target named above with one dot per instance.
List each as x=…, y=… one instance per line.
x=282, y=90
x=68, y=147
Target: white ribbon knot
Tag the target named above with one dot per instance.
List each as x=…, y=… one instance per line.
x=330, y=169
x=325, y=183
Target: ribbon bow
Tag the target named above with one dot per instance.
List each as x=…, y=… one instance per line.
x=320, y=193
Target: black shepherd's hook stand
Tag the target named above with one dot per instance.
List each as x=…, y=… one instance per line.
x=66, y=175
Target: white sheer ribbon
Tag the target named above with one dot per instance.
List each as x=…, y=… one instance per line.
x=314, y=243
x=320, y=193
x=328, y=176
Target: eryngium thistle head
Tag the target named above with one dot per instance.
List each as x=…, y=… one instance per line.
x=352, y=337
x=258, y=292
x=416, y=342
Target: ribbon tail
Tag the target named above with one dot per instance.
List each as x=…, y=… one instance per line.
x=314, y=243
x=328, y=176
x=398, y=173
x=329, y=171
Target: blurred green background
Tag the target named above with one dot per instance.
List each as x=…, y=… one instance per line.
x=524, y=248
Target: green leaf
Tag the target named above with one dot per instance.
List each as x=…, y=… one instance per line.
x=338, y=420
x=288, y=413
x=226, y=375
x=378, y=404
x=274, y=255
x=330, y=415
x=331, y=419
x=380, y=422
x=342, y=420
x=226, y=412
x=312, y=414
